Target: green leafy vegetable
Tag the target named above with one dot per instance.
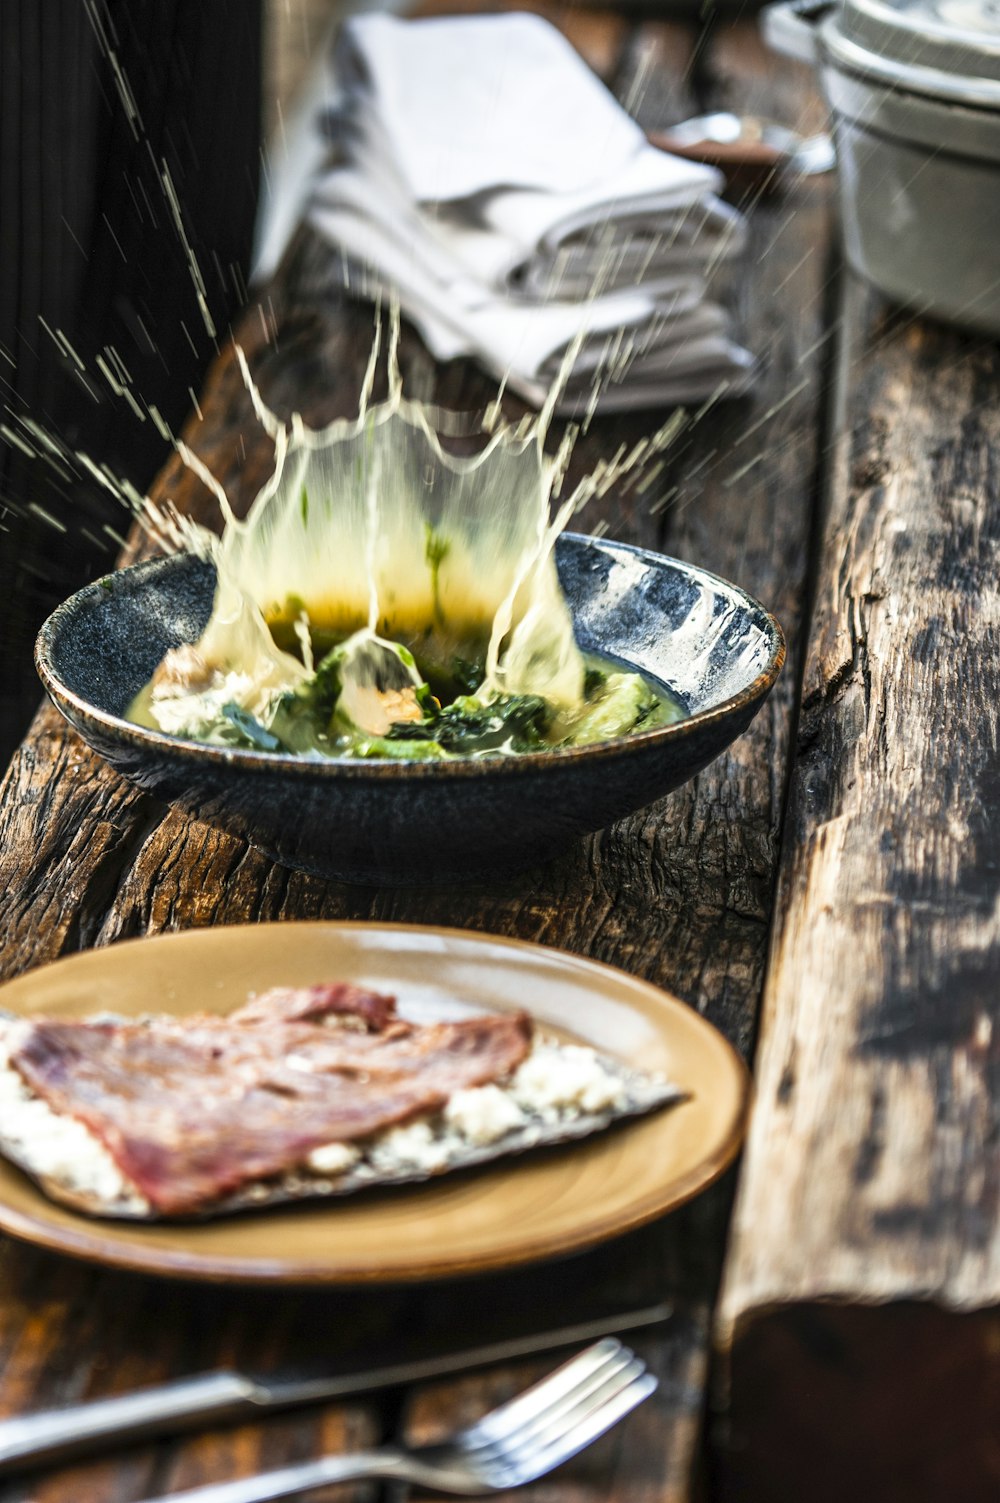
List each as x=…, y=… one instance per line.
x=512, y=722
x=625, y=699
x=397, y=751
x=301, y=718
x=340, y=709
x=594, y=680
x=467, y=676
x=436, y=550
x=249, y=730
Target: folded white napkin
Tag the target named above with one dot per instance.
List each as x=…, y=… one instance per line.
x=670, y=347
x=484, y=174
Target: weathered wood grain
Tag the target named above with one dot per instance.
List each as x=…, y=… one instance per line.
x=681, y=893
x=872, y=1178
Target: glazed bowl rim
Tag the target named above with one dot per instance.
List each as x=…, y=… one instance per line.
x=276, y=763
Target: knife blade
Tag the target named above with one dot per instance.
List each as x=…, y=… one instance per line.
x=225, y=1397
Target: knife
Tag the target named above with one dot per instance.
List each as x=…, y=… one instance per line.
x=223, y=1397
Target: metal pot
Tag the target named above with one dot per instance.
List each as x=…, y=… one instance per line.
x=914, y=88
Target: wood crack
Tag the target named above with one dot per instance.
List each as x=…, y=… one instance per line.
x=819, y=701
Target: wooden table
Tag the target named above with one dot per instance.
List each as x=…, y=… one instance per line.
x=827, y=892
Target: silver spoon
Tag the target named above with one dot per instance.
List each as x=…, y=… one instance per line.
x=804, y=156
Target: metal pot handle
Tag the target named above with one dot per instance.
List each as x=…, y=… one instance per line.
x=790, y=28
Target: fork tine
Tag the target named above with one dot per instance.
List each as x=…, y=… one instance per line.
x=580, y=1370
x=548, y=1429
x=515, y=1470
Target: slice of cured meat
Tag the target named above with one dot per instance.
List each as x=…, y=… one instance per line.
x=193, y=1109
x=339, y=999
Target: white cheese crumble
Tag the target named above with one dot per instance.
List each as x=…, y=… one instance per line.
x=566, y=1076
x=556, y=1082
x=58, y=1147
x=483, y=1115
x=333, y=1158
x=412, y=1144
x=181, y=712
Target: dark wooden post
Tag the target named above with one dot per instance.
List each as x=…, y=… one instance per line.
x=859, y=1327
x=129, y=142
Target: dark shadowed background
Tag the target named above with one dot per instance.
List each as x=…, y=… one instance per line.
x=101, y=102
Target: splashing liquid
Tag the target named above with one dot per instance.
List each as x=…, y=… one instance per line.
x=411, y=576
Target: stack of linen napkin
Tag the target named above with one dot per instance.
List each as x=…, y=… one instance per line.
x=484, y=176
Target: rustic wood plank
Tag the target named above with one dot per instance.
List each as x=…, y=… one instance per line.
x=651, y=1455
x=680, y=893
x=749, y=478
x=69, y=1333
x=858, y=1327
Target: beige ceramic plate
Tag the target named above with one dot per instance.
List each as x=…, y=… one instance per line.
x=522, y=1209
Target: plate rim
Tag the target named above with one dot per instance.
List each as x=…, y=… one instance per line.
x=91, y=1246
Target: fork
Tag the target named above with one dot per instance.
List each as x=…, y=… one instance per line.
x=513, y=1444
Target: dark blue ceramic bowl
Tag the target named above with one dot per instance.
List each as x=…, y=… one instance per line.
x=717, y=650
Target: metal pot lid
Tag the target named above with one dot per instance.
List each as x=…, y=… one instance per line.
x=946, y=48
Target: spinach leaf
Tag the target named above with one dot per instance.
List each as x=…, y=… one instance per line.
x=250, y=731
x=594, y=680
x=301, y=718
x=322, y=691
x=466, y=675
x=512, y=722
